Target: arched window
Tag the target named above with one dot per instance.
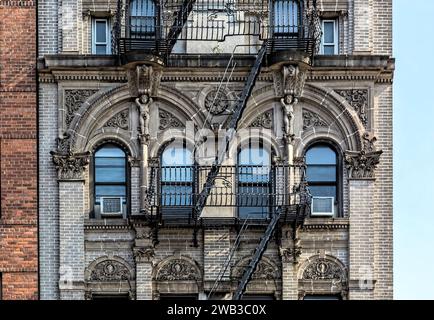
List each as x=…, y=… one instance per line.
x=286, y=16
x=323, y=178
x=254, y=181
x=142, y=18
x=110, y=182
x=177, y=176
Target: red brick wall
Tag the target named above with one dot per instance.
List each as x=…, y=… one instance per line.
x=18, y=160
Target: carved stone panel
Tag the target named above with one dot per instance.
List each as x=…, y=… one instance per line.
x=264, y=270
x=119, y=120
x=110, y=270
x=311, y=119
x=178, y=269
x=358, y=99
x=73, y=100
x=264, y=120
x=323, y=269
x=168, y=120
x=216, y=102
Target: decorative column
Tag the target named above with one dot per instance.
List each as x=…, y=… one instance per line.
x=143, y=82
x=144, y=255
x=361, y=166
x=293, y=80
x=71, y=168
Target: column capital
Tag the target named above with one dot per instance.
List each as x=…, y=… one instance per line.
x=70, y=166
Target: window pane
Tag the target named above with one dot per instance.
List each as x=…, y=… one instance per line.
x=176, y=195
x=110, y=152
x=253, y=174
x=110, y=174
x=329, y=50
x=177, y=174
x=101, y=31
x=329, y=32
x=258, y=156
x=110, y=165
x=320, y=155
x=321, y=173
x=176, y=156
x=100, y=49
x=323, y=191
x=285, y=16
x=112, y=191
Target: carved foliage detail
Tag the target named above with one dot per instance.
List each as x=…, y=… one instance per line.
x=264, y=120
x=216, y=102
x=311, y=119
x=324, y=269
x=73, y=100
x=119, y=120
x=264, y=270
x=110, y=270
x=70, y=166
x=362, y=164
x=178, y=269
x=168, y=120
x=358, y=99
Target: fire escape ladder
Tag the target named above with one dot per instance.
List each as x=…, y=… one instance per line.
x=178, y=24
x=259, y=251
x=240, y=105
x=229, y=258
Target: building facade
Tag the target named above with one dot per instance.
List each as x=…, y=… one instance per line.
x=18, y=151
x=215, y=149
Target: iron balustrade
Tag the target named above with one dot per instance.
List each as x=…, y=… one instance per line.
x=154, y=26
x=250, y=190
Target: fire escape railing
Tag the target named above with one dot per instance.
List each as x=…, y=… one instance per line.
x=257, y=191
x=155, y=26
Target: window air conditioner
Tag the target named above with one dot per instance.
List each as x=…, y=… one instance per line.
x=323, y=207
x=111, y=205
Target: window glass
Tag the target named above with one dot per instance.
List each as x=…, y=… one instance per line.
x=254, y=188
x=329, y=41
x=101, y=31
x=329, y=32
x=322, y=178
x=142, y=16
x=285, y=16
x=100, y=36
x=320, y=155
x=110, y=181
x=177, y=174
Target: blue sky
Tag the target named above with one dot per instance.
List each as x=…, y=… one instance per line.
x=414, y=149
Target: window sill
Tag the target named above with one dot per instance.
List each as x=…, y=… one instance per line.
x=326, y=223
x=105, y=224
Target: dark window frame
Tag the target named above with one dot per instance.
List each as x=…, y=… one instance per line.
x=339, y=172
x=298, y=25
x=269, y=183
x=192, y=182
x=150, y=35
x=93, y=183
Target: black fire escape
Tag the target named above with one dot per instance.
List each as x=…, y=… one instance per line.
x=154, y=27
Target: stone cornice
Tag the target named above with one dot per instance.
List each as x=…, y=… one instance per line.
x=53, y=68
